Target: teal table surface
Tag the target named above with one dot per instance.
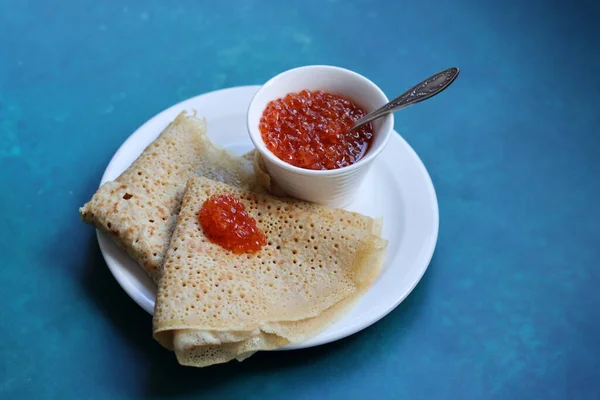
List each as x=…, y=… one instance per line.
x=510, y=305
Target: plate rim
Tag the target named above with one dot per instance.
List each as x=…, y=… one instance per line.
x=148, y=305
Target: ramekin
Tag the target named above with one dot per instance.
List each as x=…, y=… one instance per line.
x=336, y=187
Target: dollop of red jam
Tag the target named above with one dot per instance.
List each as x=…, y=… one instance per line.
x=225, y=222
x=311, y=130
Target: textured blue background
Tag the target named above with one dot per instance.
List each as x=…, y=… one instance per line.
x=510, y=305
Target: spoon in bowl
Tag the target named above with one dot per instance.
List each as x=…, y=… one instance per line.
x=422, y=91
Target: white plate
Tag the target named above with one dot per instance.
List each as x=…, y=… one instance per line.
x=397, y=188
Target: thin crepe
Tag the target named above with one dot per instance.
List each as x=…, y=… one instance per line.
x=139, y=209
x=213, y=306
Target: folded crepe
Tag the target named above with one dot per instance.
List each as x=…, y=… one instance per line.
x=139, y=209
x=213, y=305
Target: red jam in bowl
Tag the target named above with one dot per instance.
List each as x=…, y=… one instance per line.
x=225, y=222
x=311, y=130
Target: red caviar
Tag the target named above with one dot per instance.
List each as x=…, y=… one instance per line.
x=312, y=130
x=225, y=222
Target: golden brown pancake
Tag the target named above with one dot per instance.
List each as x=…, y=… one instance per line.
x=213, y=305
x=139, y=209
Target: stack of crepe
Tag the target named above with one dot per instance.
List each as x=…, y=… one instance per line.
x=213, y=305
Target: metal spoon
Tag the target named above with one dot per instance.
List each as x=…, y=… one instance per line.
x=424, y=90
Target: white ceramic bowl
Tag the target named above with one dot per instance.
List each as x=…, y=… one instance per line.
x=336, y=187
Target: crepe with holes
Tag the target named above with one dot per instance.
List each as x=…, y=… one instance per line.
x=139, y=209
x=213, y=305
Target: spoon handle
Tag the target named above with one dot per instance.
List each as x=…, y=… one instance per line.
x=422, y=91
